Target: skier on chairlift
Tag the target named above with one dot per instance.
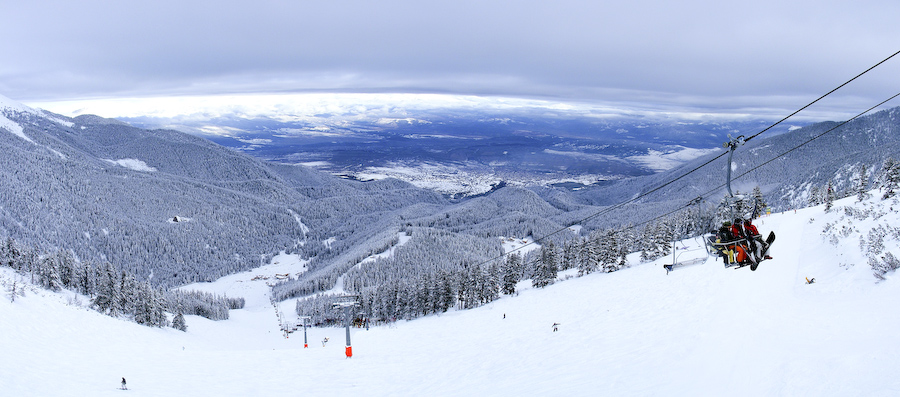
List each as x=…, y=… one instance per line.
x=757, y=245
x=731, y=245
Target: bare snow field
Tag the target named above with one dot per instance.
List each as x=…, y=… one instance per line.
x=701, y=330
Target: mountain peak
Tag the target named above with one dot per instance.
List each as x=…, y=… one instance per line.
x=9, y=104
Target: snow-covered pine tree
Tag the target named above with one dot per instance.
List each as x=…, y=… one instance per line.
x=140, y=301
x=128, y=293
x=107, y=300
x=829, y=196
x=608, y=252
x=179, y=323
x=13, y=291
x=815, y=197
x=757, y=203
x=7, y=250
x=888, y=263
x=663, y=237
x=65, y=263
x=728, y=208
x=590, y=254
x=862, y=184
x=84, y=279
x=623, y=238
x=570, y=253
x=655, y=241
x=890, y=177
x=552, y=261
x=741, y=205
x=489, y=286
x=428, y=292
x=48, y=274
x=511, y=273
x=151, y=306
x=465, y=286
x=546, y=268
x=447, y=294
x=647, y=249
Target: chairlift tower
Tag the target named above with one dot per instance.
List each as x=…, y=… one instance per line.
x=304, y=319
x=346, y=303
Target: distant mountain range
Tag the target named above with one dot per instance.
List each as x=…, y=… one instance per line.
x=462, y=152
x=177, y=208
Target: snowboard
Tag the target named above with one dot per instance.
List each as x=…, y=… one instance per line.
x=769, y=240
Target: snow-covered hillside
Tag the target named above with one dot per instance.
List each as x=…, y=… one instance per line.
x=699, y=330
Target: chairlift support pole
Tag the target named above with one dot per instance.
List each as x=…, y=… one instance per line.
x=305, y=343
x=346, y=303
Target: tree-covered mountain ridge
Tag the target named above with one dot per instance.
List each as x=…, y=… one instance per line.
x=174, y=208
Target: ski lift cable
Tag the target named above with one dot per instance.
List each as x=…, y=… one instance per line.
x=699, y=199
x=741, y=140
x=814, y=138
x=711, y=191
x=642, y=195
x=695, y=200
x=821, y=97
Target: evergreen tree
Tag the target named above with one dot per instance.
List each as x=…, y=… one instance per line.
x=488, y=284
x=48, y=274
x=546, y=267
x=129, y=294
x=608, y=251
x=8, y=253
x=141, y=302
x=890, y=176
x=447, y=299
x=466, y=286
x=758, y=203
x=623, y=238
x=179, y=323
x=107, y=300
x=511, y=273
x=570, y=254
x=13, y=291
x=65, y=263
x=829, y=197
x=862, y=184
x=84, y=280
x=590, y=257
x=815, y=197
x=663, y=237
x=741, y=205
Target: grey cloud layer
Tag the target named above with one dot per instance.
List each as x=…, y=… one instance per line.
x=697, y=53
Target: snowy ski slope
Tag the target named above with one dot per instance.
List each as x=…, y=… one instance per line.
x=701, y=330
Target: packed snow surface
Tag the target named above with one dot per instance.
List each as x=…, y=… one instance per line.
x=700, y=330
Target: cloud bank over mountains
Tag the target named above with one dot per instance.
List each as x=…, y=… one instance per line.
x=691, y=56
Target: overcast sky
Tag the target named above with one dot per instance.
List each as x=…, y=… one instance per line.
x=693, y=55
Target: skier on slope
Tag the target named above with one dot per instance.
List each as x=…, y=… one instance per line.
x=123, y=384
